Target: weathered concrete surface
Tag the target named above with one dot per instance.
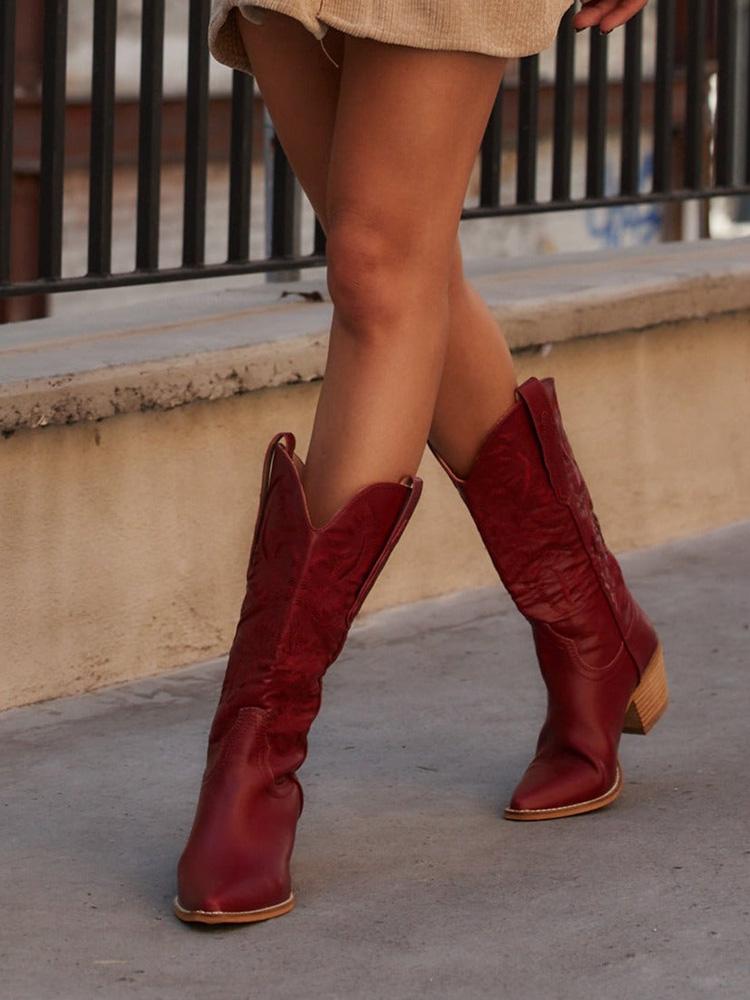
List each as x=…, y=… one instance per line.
x=409, y=883
x=216, y=344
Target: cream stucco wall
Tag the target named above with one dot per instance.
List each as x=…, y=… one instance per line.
x=124, y=541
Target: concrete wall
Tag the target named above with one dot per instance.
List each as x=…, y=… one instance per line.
x=124, y=540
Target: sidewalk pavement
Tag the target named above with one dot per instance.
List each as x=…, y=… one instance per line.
x=408, y=881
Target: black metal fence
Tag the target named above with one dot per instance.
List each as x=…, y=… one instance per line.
x=695, y=39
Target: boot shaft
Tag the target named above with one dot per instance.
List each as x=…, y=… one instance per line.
x=304, y=586
x=534, y=512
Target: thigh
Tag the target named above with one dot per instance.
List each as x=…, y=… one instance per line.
x=409, y=123
x=299, y=85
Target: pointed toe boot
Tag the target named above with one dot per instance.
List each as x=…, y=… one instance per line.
x=304, y=586
x=599, y=654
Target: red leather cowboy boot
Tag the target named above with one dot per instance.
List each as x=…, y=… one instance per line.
x=304, y=587
x=600, y=657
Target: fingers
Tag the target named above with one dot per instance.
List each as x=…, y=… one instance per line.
x=606, y=14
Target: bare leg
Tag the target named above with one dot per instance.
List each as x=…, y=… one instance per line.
x=408, y=123
x=478, y=380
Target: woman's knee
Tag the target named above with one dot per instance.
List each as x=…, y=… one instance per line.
x=375, y=274
x=362, y=273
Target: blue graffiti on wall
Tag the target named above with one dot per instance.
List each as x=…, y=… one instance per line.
x=625, y=224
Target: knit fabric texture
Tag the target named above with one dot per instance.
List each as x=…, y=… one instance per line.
x=495, y=27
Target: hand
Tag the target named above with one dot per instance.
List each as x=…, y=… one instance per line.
x=608, y=14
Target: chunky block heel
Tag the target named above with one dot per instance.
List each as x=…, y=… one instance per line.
x=650, y=698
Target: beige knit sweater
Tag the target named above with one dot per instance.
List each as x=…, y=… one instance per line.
x=497, y=27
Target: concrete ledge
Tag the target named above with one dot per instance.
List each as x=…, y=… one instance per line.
x=213, y=346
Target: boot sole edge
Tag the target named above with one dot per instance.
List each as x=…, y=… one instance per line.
x=232, y=917
x=573, y=809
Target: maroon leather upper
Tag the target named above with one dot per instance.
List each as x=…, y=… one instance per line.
x=304, y=587
x=534, y=512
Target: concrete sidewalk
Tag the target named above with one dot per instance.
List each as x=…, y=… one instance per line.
x=409, y=882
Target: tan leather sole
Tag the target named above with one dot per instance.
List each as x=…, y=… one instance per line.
x=237, y=917
x=557, y=812
x=650, y=698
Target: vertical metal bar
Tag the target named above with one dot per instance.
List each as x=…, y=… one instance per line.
x=196, y=137
x=597, y=116
x=24, y=251
x=491, y=154
x=102, y=137
x=149, y=135
x=283, y=219
x=319, y=238
x=562, y=150
x=663, y=89
x=7, y=89
x=240, y=167
x=727, y=27
x=53, y=138
x=528, y=100
x=630, y=149
x=695, y=95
